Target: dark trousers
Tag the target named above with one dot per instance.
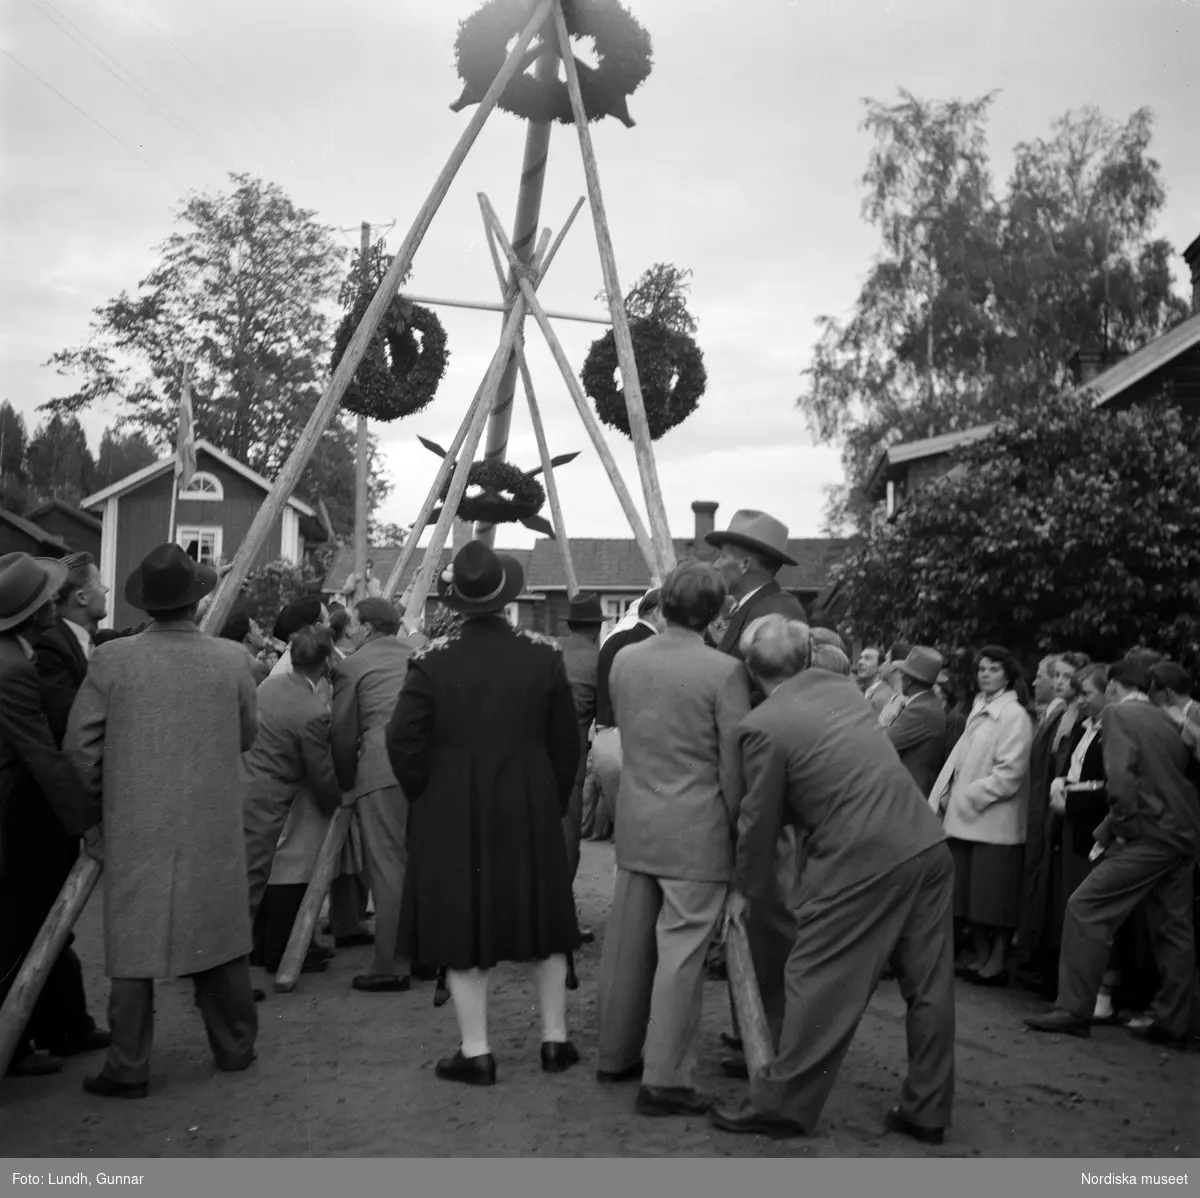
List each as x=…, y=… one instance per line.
x=347, y=904
x=264, y=812
x=844, y=941
x=1141, y=872
x=226, y=1001
x=60, y=1016
x=274, y=920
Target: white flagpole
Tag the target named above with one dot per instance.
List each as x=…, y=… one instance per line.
x=187, y=382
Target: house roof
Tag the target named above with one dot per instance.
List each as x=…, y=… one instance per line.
x=1144, y=362
x=601, y=564
x=34, y=531
x=888, y=467
x=57, y=505
x=138, y=477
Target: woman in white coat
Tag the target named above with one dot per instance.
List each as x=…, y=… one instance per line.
x=983, y=794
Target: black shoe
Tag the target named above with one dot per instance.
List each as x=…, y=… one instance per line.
x=354, y=940
x=661, y=1100
x=105, y=1087
x=558, y=1057
x=587, y=936
x=93, y=1042
x=1155, y=1033
x=896, y=1120
x=474, y=1071
x=318, y=952
x=731, y=1041
x=735, y=1067
x=378, y=983
x=631, y=1073
x=35, y=1064
x=994, y=980
x=1061, y=1022
x=750, y=1121
x=572, y=978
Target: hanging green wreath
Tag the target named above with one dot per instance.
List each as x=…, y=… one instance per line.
x=623, y=54
x=506, y=495
x=670, y=369
x=398, y=375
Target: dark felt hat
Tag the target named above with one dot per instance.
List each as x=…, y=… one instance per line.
x=585, y=609
x=480, y=581
x=168, y=579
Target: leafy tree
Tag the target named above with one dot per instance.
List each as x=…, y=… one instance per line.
x=270, y=588
x=12, y=458
x=388, y=536
x=1067, y=527
x=243, y=291
x=59, y=463
x=121, y=456
x=660, y=294
x=977, y=302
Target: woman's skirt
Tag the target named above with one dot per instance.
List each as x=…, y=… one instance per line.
x=987, y=883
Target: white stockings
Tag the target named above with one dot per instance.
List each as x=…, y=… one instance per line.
x=469, y=991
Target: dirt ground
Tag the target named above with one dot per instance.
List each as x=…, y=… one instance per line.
x=346, y=1074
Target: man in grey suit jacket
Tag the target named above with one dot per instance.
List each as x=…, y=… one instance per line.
x=877, y=884
x=918, y=732
x=677, y=705
x=366, y=686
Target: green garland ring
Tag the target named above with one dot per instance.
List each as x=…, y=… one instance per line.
x=510, y=495
x=670, y=369
x=623, y=53
x=397, y=376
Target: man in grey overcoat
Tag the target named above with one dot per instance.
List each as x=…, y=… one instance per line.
x=156, y=734
x=678, y=704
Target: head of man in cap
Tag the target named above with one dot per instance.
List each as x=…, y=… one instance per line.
x=753, y=549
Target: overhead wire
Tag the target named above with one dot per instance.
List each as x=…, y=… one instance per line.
x=88, y=116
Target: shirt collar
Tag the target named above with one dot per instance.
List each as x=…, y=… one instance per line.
x=1135, y=697
x=747, y=597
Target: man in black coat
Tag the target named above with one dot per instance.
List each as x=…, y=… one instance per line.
x=754, y=548
x=918, y=732
x=43, y=812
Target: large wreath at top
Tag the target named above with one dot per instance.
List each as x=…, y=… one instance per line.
x=397, y=375
x=670, y=369
x=623, y=53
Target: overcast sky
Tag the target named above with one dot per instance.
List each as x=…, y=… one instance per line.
x=744, y=166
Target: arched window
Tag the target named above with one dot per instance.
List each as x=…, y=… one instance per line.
x=203, y=486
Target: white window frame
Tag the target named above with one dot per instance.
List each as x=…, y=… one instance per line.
x=216, y=495
x=615, y=609
x=197, y=532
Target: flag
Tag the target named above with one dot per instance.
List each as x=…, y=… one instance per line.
x=185, y=441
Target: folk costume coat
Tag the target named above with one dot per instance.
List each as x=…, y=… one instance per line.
x=485, y=744
x=156, y=734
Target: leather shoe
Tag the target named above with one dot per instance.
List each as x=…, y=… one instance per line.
x=572, y=982
x=586, y=935
x=673, y=1100
x=896, y=1120
x=735, y=1067
x=378, y=983
x=35, y=1064
x=631, y=1073
x=354, y=940
x=1062, y=1022
x=105, y=1087
x=474, y=1071
x=1155, y=1033
x=749, y=1120
x=558, y=1056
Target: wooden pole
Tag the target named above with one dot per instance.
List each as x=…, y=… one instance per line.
x=590, y=423
x=187, y=382
x=525, y=227
x=493, y=306
x=747, y=1001
x=289, y=477
x=639, y=426
x=560, y=528
x=310, y=908
x=362, y=449
x=51, y=940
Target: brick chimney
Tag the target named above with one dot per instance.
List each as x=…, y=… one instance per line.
x=1192, y=257
x=462, y=532
x=706, y=521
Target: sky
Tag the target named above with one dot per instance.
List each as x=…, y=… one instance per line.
x=744, y=166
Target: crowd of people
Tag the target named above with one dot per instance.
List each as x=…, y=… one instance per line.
x=883, y=821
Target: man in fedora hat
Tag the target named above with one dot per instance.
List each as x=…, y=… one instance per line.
x=753, y=549
x=43, y=811
x=156, y=735
x=581, y=653
x=918, y=733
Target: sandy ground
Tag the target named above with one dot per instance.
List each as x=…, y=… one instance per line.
x=347, y=1074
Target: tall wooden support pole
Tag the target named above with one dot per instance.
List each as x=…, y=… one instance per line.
x=289, y=477
x=639, y=426
x=590, y=423
x=525, y=228
x=747, y=1000
x=361, y=462
x=186, y=389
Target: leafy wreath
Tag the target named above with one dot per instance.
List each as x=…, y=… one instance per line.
x=397, y=375
x=670, y=369
x=623, y=52
x=507, y=494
